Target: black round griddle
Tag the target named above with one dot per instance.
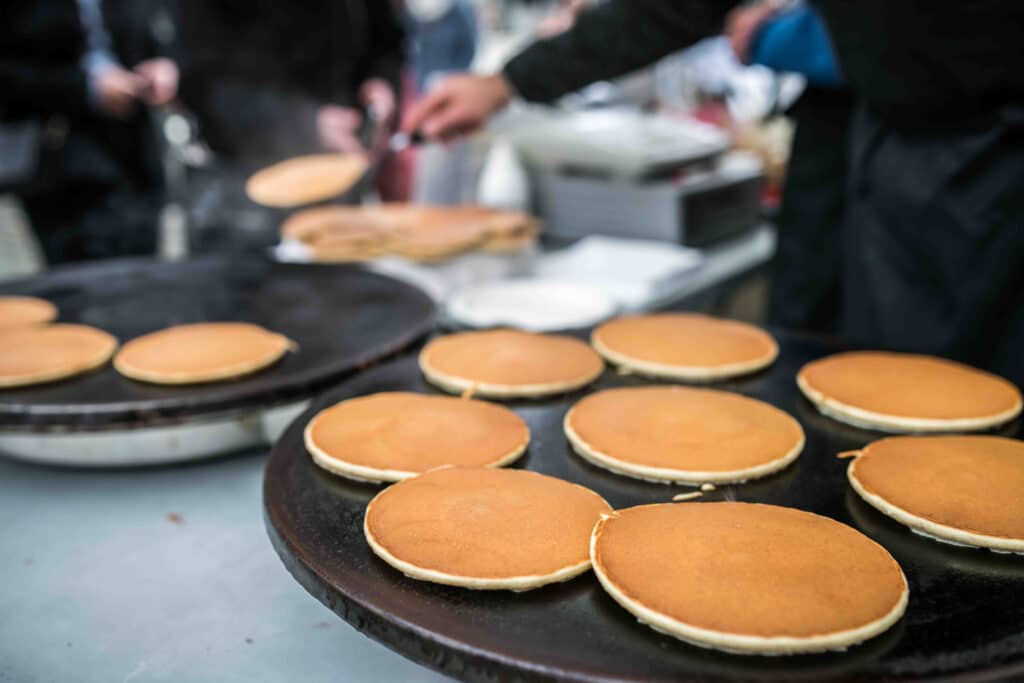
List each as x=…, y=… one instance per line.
x=965, y=620
x=342, y=318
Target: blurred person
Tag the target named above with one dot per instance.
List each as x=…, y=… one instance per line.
x=269, y=80
x=76, y=81
x=795, y=39
x=442, y=39
x=932, y=220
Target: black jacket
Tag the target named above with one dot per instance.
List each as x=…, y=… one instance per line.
x=910, y=61
x=255, y=71
x=41, y=43
x=612, y=40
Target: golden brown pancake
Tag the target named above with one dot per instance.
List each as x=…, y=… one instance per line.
x=959, y=489
x=436, y=236
x=484, y=528
x=509, y=363
x=681, y=434
x=903, y=392
x=685, y=346
x=34, y=355
x=305, y=179
x=203, y=352
x=24, y=311
x=332, y=222
x=748, y=578
x=393, y=436
x=344, y=248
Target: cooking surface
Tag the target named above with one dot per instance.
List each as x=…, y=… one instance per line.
x=342, y=318
x=966, y=606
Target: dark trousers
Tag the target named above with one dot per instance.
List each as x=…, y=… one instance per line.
x=84, y=222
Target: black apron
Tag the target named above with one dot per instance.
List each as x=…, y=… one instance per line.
x=933, y=233
x=934, y=239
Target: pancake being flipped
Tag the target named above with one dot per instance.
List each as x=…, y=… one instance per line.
x=748, y=578
x=684, y=346
x=967, y=490
x=487, y=529
x=202, y=352
x=40, y=354
x=305, y=179
x=509, y=363
x=681, y=434
x=902, y=392
x=25, y=311
x=394, y=435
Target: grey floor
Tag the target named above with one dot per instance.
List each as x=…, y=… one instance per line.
x=163, y=575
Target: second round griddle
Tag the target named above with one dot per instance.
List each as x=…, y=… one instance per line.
x=342, y=318
x=964, y=620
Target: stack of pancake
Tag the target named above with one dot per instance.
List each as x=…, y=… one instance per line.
x=416, y=232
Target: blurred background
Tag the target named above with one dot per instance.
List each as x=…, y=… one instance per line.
x=131, y=127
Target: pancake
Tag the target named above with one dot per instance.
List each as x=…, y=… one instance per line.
x=684, y=346
x=24, y=311
x=967, y=490
x=35, y=355
x=346, y=248
x=487, y=529
x=203, y=352
x=305, y=179
x=509, y=363
x=900, y=392
x=436, y=241
x=332, y=222
x=683, y=435
x=748, y=578
x=393, y=436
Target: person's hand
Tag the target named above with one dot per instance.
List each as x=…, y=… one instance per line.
x=743, y=23
x=458, y=105
x=116, y=90
x=159, y=81
x=338, y=129
x=562, y=19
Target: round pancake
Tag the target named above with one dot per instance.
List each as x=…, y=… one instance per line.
x=305, y=179
x=487, y=529
x=684, y=346
x=967, y=490
x=683, y=435
x=203, y=352
x=24, y=311
x=748, y=578
x=35, y=355
x=392, y=436
x=509, y=363
x=900, y=392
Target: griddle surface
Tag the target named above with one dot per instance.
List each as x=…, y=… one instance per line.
x=342, y=318
x=965, y=619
